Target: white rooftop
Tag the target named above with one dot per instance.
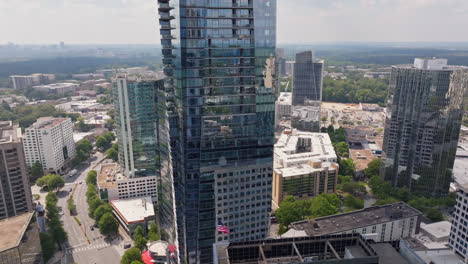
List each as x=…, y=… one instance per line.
x=285, y=98
x=134, y=210
x=54, y=86
x=439, y=230
x=316, y=147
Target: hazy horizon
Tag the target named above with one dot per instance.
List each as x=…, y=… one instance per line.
x=299, y=21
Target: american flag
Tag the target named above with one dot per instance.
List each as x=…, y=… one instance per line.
x=222, y=228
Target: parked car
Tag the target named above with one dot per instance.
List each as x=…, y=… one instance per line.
x=127, y=246
x=91, y=227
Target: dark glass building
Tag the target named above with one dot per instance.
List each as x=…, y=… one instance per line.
x=424, y=114
x=219, y=56
x=307, y=79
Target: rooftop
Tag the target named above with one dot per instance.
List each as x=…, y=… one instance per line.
x=434, y=64
x=356, y=219
x=361, y=158
x=54, y=86
x=298, y=250
x=439, y=230
x=108, y=175
x=12, y=230
x=387, y=254
x=9, y=132
x=134, y=210
x=285, y=98
x=48, y=122
x=296, y=147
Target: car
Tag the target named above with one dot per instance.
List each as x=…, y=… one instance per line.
x=127, y=245
x=61, y=213
x=92, y=228
x=81, y=182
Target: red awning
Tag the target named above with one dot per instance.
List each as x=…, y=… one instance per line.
x=171, y=248
x=146, y=257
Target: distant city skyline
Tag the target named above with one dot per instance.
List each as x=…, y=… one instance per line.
x=103, y=21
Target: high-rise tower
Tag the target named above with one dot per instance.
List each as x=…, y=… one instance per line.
x=424, y=114
x=220, y=60
x=307, y=80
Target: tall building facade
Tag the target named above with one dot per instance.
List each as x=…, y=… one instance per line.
x=458, y=239
x=307, y=80
x=15, y=193
x=424, y=113
x=144, y=142
x=220, y=60
x=50, y=141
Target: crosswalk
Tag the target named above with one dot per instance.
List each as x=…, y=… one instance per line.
x=81, y=249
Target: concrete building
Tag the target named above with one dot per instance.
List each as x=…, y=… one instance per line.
x=24, y=81
x=57, y=88
x=19, y=240
x=379, y=223
x=222, y=92
x=305, y=165
x=134, y=212
x=283, y=106
x=458, y=239
x=438, y=232
x=50, y=141
x=15, y=192
x=113, y=185
x=342, y=249
x=422, y=127
x=306, y=117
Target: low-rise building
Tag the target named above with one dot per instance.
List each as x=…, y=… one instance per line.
x=19, y=240
x=113, y=185
x=438, y=232
x=57, y=88
x=88, y=76
x=24, y=81
x=283, y=106
x=343, y=249
x=305, y=165
x=380, y=223
x=134, y=212
x=306, y=118
x=50, y=141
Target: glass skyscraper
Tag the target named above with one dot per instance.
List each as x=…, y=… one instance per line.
x=144, y=142
x=219, y=56
x=424, y=114
x=307, y=79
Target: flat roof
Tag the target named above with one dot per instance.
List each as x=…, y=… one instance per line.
x=438, y=230
x=361, y=158
x=285, y=98
x=12, y=230
x=9, y=132
x=356, y=219
x=107, y=176
x=48, y=122
x=55, y=85
x=134, y=210
x=302, y=169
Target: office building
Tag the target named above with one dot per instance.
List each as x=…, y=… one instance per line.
x=305, y=165
x=308, y=75
x=379, y=223
x=113, y=185
x=339, y=249
x=57, y=88
x=424, y=114
x=19, y=240
x=134, y=212
x=283, y=106
x=306, y=117
x=15, y=193
x=135, y=102
x=220, y=60
x=458, y=239
x=50, y=141
x=25, y=81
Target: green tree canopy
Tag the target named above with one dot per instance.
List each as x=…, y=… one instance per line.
x=112, y=153
x=51, y=181
x=341, y=148
x=354, y=188
x=347, y=167
x=84, y=145
x=91, y=178
x=132, y=254
x=102, y=210
x=138, y=231
x=153, y=232
x=108, y=225
x=47, y=246
x=322, y=207
x=140, y=242
x=36, y=170
x=353, y=202
x=373, y=168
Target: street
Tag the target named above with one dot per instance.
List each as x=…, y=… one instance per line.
x=84, y=245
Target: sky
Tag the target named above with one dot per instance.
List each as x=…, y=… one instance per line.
x=298, y=21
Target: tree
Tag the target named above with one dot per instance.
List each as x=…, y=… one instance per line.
x=108, y=225
x=434, y=214
x=140, y=242
x=36, y=170
x=102, y=142
x=322, y=207
x=341, y=148
x=138, y=232
x=385, y=201
x=353, y=202
x=332, y=199
x=102, y=210
x=132, y=254
x=51, y=181
x=136, y=262
x=81, y=124
x=91, y=178
x=47, y=245
x=153, y=232
x=347, y=167
x=71, y=205
x=93, y=204
x=112, y=154
x=373, y=168
x=354, y=188
x=288, y=212
x=84, y=145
